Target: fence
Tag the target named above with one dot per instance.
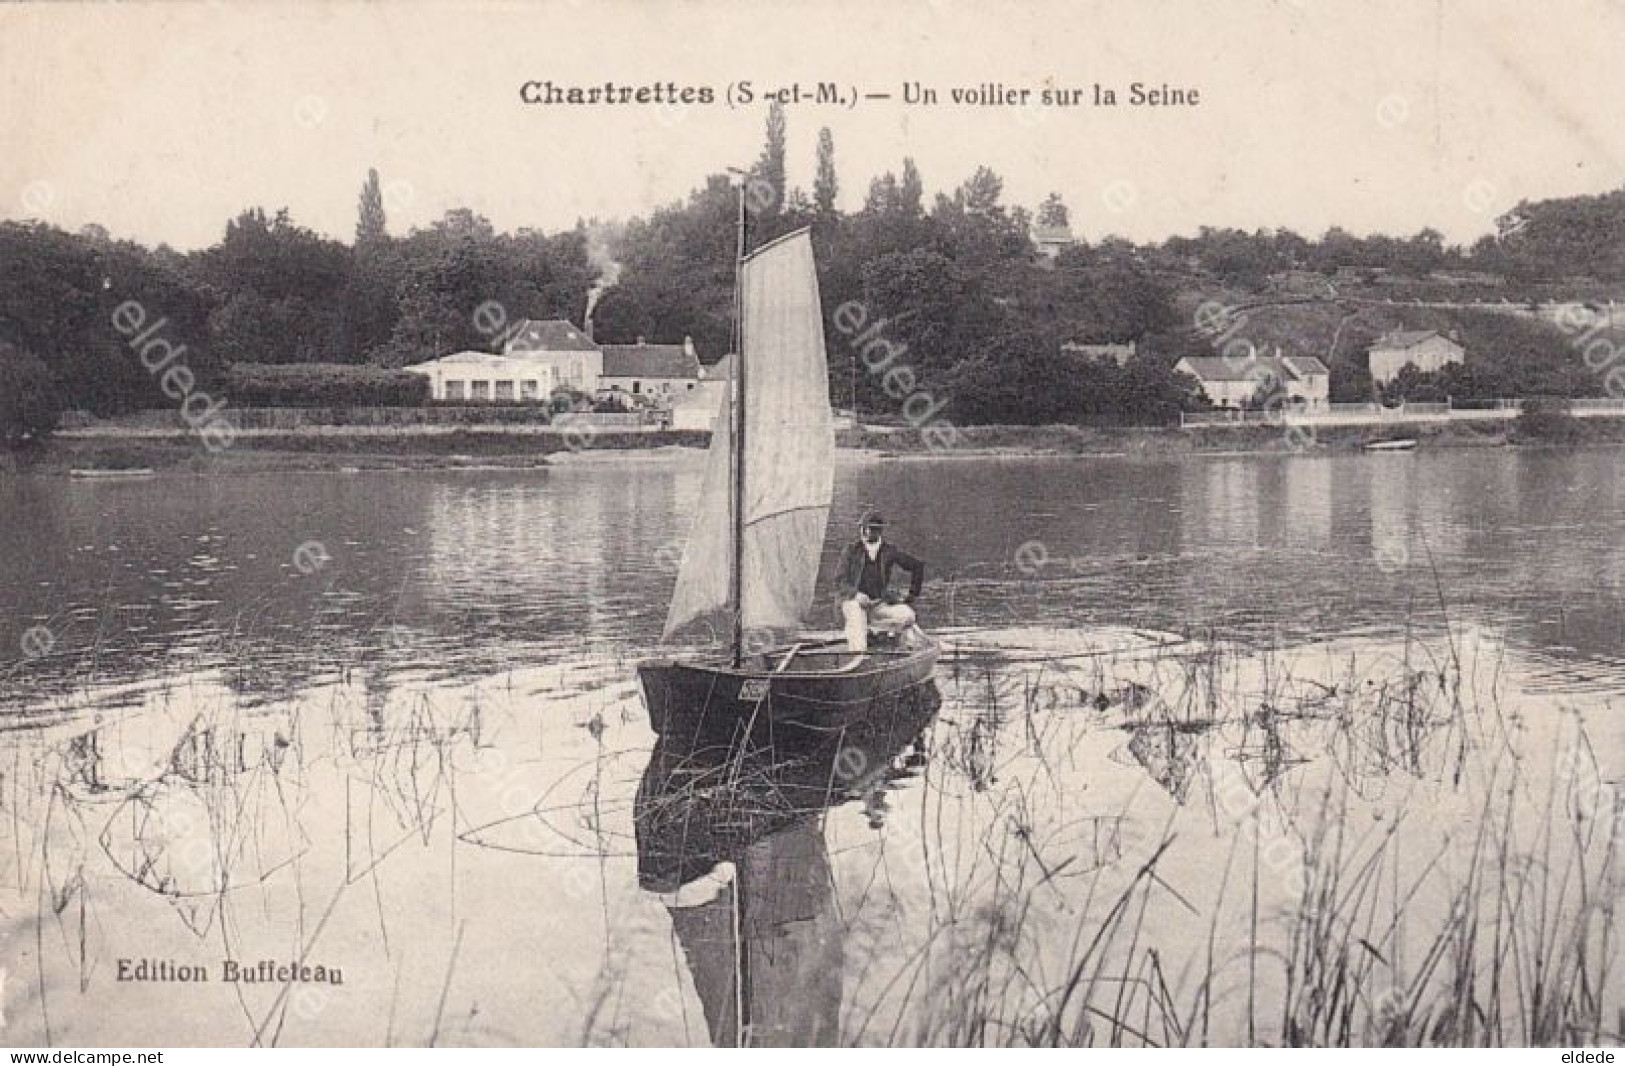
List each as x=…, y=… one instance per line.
x=365, y=421
x=286, y=418
x=1362, y=414
x=628, y=420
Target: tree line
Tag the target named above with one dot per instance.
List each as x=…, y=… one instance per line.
x=979, y=315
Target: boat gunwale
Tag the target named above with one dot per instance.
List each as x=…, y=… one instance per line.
x=723, y=667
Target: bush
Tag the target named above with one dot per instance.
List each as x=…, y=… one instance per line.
x=323, y=385
x=30, y=403
x=1547, y=420
x=566, y=400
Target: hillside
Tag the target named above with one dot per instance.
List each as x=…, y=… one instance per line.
x=1510, y=352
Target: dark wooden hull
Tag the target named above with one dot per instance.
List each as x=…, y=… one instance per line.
x=704, y=799
x=766, y=952
x=825, y=691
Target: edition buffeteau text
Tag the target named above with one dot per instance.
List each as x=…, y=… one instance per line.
x=263, y=971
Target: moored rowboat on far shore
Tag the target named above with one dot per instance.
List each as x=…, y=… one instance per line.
x=94, y=474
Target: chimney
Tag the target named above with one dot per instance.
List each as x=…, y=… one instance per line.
x=688, y=346
x=586, y=327
x=640, y=340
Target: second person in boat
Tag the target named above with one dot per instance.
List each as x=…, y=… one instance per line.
x=867, y=598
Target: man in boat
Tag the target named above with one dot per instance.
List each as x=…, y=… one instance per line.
x=867, y=598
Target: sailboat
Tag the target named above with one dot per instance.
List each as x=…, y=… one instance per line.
x=751, y=560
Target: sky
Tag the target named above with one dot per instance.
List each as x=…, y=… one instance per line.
x=161, y=121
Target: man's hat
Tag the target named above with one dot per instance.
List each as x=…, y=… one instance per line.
x=873, y=520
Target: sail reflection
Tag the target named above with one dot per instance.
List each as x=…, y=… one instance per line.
x=732, y=837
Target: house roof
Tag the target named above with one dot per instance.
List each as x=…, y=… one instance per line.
x=1304, y=365
x=465, y=358
x=1061, y=234
x=650, y=361
x=1282, y=368
x=1404, y=338
x=549, y=335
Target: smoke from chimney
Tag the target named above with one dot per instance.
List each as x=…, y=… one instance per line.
x=601, y=237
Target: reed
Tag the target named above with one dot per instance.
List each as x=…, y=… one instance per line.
x=1429, y=881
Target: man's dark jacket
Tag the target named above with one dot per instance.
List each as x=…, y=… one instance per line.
x=859, y=573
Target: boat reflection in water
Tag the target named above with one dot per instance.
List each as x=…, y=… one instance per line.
x=732, y=837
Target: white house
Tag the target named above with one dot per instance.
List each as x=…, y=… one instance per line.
x=484, y=377
x=695, y=408
x=538, y=358
x=662, y=371
x=1051, y=241
x=1424, y=349
x=541, y=357
x=1302, y=381
x=576, y=362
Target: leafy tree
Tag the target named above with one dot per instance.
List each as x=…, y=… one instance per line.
x=825, y=184
x=1411, y=385
x=1100, y=296
x=768, y=176
x=1019, y=378
x=30, y=404
x=1579, y=235
x=677, y=273
x=369, y=299
x=980, y=194
x=986, y=238
x=370, y=224
x=448, y=271
x=911, y=190
x=58, y=294
x=1022, y=378
x=279, y=288
x=1053, y=213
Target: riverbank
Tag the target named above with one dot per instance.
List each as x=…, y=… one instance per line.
x=478, y=449
x=1226, y=440
x=297, y=451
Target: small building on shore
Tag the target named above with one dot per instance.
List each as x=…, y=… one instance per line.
x=695, y=408
x=484, y=377
x=1427, y=350
x=541, y=356
x=1301, y=382
x=662, y=371
x=575, y=361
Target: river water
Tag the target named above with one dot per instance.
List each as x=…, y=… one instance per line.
x=387, y=723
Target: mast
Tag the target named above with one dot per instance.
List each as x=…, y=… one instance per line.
x=736, y=500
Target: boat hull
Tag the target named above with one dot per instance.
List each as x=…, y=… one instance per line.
x=719, y=701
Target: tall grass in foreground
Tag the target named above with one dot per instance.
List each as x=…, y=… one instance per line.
x=1400, y=869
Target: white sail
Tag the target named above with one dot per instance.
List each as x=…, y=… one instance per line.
x=788, y=455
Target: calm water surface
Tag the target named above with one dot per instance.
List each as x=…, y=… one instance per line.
x=387, y=723
x=461, y=573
